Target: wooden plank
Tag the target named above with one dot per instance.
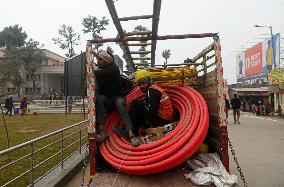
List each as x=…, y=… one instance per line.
x=204, y=52
x=139, y=44
x=135, y=17
x=137, y=33
x=113, y=13
x=140, y=52
x=155, y=23
x=142, y=58
x=153, y=38
x=142, y=64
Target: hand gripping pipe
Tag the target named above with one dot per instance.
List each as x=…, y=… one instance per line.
x=168, y=152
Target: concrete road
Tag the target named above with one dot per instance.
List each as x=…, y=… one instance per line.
x=259, y=145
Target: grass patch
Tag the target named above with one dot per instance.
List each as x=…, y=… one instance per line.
x=25, y=128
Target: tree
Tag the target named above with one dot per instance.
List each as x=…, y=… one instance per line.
x=166, y=55
x=9, y=71
x=12, y=36
x=68, y=39
x=18, y=54
x=95, y=26
x=32, y=57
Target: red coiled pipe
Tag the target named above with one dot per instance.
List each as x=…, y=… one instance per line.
x=171, y=150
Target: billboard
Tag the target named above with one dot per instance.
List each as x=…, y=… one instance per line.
x=254, y=63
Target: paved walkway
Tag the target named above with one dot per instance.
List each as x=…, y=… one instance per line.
x=259, y=145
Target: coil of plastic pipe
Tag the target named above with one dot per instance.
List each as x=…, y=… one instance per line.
x=168, y=152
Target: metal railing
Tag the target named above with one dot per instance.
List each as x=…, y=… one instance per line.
x=81, y=132
x=55, y=103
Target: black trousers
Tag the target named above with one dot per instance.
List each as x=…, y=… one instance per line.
x=139, y=115
x=9, y=110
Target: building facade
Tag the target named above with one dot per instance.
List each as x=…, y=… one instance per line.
x=49, y=79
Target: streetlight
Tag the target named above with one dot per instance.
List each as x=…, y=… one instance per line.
x=272, y=43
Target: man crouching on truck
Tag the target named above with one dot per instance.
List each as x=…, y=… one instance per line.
x=110, y=95
x=156, y=109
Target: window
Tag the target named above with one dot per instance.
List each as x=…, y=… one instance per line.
x=11, y=90
x=27, y=90
x=31, y=90
x=38, y=90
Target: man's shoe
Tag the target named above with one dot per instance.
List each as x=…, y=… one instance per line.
x=121, y=132
x=101, y=136
x=239, y=122
x=134, y=141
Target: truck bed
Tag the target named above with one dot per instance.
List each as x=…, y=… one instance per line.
x=107, y=178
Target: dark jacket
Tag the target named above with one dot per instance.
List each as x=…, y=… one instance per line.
x=153, y=101
x=9, y=104
x=24, y=104
x=227, y=103
x=236, y=103
x=109, y=80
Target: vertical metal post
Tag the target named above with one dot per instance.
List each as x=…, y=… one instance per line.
x=7, y=134
x=32, y=165
x=83, y=78
x=80, y=140
x=65, y=84
x=62, y=149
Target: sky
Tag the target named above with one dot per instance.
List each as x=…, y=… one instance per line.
x=234, y=20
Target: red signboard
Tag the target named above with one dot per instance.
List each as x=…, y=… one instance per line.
x=253, y=63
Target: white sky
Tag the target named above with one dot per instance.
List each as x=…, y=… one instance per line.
x=233, y=19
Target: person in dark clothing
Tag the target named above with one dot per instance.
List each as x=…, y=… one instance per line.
x=24, y=106
x=156, y=109
x=236, y=106
x=9, y=105
x=70, y=102
x=110, y=96
x=227, y=104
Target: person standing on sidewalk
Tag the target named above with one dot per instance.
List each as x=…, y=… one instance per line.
x=236, y=106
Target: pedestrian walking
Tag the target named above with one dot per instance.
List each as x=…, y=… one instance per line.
x=236, y=106
x=9, y=105
x=227, y=104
